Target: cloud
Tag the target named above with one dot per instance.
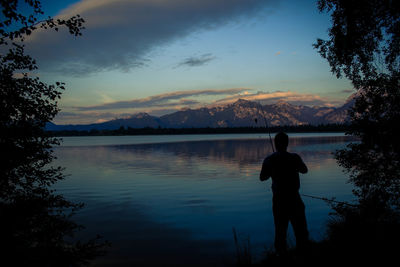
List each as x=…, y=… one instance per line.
x=163, y=100
x=87, y=117
x=197, y=61
x=167, y=103
x=348, y=91
x=20, y=75
x=119, y=34
x=273, y=97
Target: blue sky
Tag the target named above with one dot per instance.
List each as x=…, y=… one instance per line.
x=159, y=56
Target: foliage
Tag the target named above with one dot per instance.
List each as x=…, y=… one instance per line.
x=364, y=46
x=35, y=220
x=374, y=163
x=364, y=40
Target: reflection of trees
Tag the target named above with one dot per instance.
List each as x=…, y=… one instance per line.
x=34, y=231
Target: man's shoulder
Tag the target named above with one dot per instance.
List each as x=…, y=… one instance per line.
x=281, y=155
x=271, y=156
x=285, y=156
x=267, y=160
x=295, y=155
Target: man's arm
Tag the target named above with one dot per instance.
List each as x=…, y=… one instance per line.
x=265, y=170
x=301, y=167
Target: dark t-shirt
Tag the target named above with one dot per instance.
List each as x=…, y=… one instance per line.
x=284, y=168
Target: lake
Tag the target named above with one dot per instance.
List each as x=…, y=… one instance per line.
x=174, y=200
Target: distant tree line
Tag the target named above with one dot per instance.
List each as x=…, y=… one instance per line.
x=220, y=130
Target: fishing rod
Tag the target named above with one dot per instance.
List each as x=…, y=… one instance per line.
x=266, y=127
x=329, y=200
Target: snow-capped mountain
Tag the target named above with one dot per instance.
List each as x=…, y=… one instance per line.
x=242, y=113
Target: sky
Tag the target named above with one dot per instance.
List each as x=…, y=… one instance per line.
x=161, y=56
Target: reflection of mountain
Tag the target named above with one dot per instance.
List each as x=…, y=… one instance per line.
x=242, y=152
x=242, y=113
x=182, y=158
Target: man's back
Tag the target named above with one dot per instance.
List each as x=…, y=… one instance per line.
x=284, y=168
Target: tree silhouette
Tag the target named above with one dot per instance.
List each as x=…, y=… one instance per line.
x=36, y=221
x=364, y=46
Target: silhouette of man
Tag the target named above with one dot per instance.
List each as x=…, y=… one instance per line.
x=284, y=168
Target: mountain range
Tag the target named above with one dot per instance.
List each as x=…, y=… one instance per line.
x=242, y=113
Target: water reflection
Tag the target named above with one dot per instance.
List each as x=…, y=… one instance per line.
x=187, y=196
x=233, y=154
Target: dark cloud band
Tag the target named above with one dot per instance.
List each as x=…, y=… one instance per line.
x=119, y=34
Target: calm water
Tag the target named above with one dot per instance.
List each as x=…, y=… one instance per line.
x=162, y=201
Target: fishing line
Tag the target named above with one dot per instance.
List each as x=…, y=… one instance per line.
x=329, y=200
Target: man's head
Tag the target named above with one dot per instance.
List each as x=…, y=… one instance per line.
x=281, y=141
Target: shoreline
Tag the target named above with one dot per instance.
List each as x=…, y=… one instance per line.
x=334, y=128
x=118, y=140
